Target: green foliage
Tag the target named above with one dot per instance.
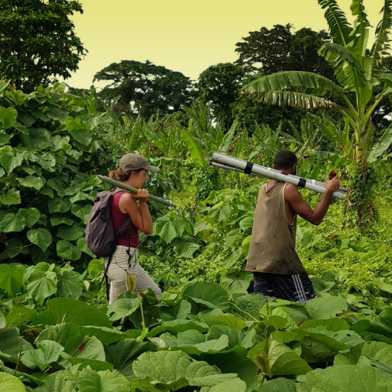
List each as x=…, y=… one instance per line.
x=144, y=88
x=279, y=49
x=38, y=42
x=43, y=214
x=354, y=95
x=207, y=342
x=219, y=86
x=10, y=383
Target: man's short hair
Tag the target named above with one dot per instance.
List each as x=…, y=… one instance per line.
x=285, y=160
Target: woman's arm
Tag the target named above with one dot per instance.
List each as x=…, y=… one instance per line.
x=137, y=209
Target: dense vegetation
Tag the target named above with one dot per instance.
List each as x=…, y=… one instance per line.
x=207, y=334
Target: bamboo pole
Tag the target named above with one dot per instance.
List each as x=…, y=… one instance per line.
x=131, y=189
x=229, y=163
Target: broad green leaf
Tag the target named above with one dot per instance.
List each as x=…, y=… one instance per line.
x=61, y=220
x=68, y=335
x=379, y=352
x=285, y=361
x=168, y=232
x=381, y=146
x=13, y=344
x=71, y=233
x=40, y=237
x=78, y=130
x=11, y=222
x=59, y=206
x=194, y=147
x=61, y=381
x=69, y=310
x=31, y=182
x=14, y=247
x=345, y=378
x=11, y=197
x=30, y=215
x=7, y=117
x=176, y=369
x=5, y=137
x=276, y=359
x=163, y=367
x=82, y=212
x=60, y=142
x=67, y=251
x=279, y=385
x=209, y=294
x=217, y=317
x=81, y=196
x=37, y=139
x=174, y=326
x=326, y=306
x=70, y=284
x=200, y=373
x=318, y=347
x=231, y=385
x=186, y=249
x=56, y=113
x=122, y=353
x=9, y=383
x=93, y=364
x=123, y=307
x=11, y=278
x=106, y=335
x=102, y=381
x=47, y=161
x=19, y=315
x=333, y=324
x=91, y=348
x=208, y=346
x=46, y=353
x=42, y=287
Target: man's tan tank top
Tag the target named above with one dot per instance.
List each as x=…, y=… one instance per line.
x=272, y=246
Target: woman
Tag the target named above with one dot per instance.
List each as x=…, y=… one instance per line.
x=124, y=272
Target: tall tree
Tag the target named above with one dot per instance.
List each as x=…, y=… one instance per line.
x=144, y=89
x=361, y=85
x=280, y=49
x=38, y=42
x=272, y=50
x=219, y=86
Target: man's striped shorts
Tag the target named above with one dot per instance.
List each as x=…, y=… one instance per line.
x=294, y=287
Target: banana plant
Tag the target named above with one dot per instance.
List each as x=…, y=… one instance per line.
x=360, y=83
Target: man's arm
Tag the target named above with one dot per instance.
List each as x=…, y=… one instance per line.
x=302, y=208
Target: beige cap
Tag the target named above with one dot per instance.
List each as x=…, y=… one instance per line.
x=130, y=162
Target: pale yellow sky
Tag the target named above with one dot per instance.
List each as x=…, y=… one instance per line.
x=184, y=35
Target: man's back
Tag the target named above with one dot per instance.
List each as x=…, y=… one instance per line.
x=272, y=248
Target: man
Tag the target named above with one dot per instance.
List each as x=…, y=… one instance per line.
x=277, y=269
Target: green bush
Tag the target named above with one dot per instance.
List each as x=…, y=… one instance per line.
x=49, y=149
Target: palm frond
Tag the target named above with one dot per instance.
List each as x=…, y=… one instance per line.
x=348, y=70
x=360, y=33
x=381, y=47
x=338, y=24
x=296, y=100
x=385, y=78
x=294, y=81
x=358, y=11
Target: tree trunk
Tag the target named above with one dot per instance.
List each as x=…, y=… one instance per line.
x=361, y=197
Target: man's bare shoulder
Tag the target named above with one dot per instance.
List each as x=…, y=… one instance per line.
x=291, y=192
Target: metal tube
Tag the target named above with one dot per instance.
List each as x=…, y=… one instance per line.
x=131, y=189
x=231, y=163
